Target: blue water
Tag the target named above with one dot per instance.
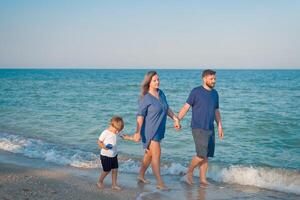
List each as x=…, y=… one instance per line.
x=57, y=115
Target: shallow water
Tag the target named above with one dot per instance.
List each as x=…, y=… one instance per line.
x=57, y=116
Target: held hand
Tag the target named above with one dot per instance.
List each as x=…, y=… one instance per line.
x=137, y=137
x=177, y=125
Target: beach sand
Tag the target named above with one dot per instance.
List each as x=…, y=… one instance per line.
x=21, y=182
x=25, y=178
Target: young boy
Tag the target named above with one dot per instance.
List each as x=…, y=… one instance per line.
x=109, y=157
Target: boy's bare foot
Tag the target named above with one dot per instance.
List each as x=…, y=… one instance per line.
x=100, y=185
x=143, y=180
x=189, y=178
x=115, y=187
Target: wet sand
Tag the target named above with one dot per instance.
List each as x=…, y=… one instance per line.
x=25, y=178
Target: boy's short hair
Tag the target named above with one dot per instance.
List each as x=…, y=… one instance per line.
x=117, y=122
x=208, y=72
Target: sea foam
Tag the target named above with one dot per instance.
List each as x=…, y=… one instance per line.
x=284, y=180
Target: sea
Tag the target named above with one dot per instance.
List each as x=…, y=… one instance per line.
x=57, y=115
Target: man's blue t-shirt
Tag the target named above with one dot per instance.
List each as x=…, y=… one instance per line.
x=204, y=104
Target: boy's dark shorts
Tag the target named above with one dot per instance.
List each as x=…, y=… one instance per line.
x=109, y=163
x=204, y=142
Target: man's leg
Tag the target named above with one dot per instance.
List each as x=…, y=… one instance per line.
x=196, y=160
x=202, y=171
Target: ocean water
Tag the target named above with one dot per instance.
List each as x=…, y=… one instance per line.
x=57, y=116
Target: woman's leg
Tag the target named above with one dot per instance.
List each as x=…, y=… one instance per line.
x=144, y=166
x=155, y=163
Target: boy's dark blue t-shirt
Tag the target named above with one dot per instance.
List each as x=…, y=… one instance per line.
x=204, y=104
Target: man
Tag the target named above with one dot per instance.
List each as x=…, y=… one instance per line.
x=204, y=101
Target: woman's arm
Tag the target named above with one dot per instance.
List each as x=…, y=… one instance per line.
x=139, y=123
x=137, y=135
x=171, y=114
x=175, y=118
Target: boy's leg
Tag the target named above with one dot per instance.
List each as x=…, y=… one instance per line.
x=101, y=179
x=114, y=175
x=144, y=166
x=194, y=163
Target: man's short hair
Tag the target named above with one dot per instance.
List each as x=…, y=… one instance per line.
x=208, y=72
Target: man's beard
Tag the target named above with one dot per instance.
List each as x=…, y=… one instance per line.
x=211, y=86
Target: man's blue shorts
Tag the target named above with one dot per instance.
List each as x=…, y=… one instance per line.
x=204, y=142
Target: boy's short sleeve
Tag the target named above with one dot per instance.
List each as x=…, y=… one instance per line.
x=191, y=98
x=143, y=107
x=102, y=136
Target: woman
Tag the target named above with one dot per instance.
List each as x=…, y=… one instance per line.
x=151, y=125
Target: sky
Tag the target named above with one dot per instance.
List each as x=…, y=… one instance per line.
x=150, y=34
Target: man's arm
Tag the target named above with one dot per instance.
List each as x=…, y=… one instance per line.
x=219, y=123
x=183, y=111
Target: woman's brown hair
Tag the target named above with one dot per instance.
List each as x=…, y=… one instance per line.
x=146, y=82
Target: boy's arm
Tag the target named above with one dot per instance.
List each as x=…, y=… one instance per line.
x=127, y=137
x=101, y=145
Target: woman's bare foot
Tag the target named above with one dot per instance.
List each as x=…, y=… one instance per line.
x=204, y=183
x=189, y=178
x=143, y=180
x=115, y=187
x=100, y=185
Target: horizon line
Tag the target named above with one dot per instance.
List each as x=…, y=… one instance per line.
x=148, y=67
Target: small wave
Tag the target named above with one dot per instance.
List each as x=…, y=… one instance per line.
x=36, y=148
x=283, y=180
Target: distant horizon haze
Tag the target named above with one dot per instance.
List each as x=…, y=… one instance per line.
x=139, y=34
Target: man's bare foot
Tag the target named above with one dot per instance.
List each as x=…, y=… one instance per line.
x=115, y=187
x=143, y=180
x=189, y=178
x=204, y=185
x=100, y=185
x=162, y=187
